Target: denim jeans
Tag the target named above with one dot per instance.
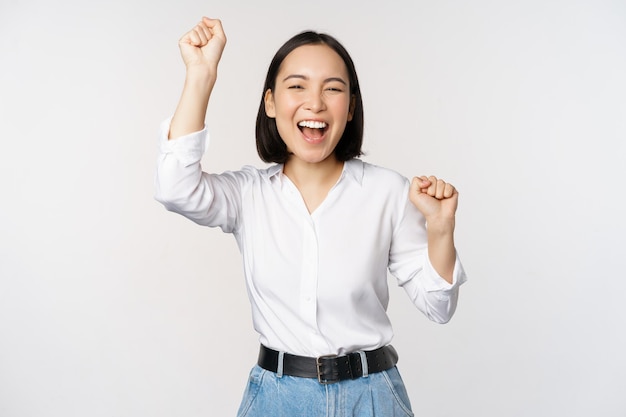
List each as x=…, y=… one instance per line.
x=381, y=394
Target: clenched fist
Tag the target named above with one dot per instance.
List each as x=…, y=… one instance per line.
x=436, y=199
x=203, y=45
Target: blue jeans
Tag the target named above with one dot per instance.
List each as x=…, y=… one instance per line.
x=381, y=394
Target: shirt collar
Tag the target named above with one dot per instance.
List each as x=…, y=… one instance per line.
x=352, y=168
x=273, y=171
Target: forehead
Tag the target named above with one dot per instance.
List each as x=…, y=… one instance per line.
x=313, y=61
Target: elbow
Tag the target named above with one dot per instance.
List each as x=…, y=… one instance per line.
x=440, y=319
x=176, y=193
x=441, y=307
x=442, y=314
x=176, y=187
x=167, y=199
x=194, y=205
x=170, y=198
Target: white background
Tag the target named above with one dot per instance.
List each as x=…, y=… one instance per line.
x=112, y=306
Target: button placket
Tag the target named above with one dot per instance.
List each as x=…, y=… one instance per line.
x=309, y=277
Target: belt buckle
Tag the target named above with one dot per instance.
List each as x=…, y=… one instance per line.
x=318, y=362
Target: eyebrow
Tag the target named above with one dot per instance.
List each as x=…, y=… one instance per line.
x=303, y=77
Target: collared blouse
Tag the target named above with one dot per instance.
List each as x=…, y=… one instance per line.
x=317, y=282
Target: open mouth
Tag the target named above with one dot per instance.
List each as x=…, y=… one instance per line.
x=313, y=130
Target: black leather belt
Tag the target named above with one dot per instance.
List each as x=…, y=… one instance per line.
x=329, y=369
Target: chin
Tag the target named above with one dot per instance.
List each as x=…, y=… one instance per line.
x=311, y=157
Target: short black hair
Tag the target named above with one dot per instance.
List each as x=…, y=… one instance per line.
x=270, y=146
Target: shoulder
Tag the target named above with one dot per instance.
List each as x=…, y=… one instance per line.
x=375, y=175
x=251, y=174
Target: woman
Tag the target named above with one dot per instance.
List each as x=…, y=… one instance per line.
x=318, y=230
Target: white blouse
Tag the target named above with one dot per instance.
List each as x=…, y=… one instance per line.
x=317, y=282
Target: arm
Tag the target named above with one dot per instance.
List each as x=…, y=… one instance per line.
x=180, y=184
x=201, y=49
x=437, y=201
x=422, y=256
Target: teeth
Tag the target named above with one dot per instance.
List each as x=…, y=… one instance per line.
x=312, y=124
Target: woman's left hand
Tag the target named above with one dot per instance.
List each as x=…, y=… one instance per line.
x=435, y=199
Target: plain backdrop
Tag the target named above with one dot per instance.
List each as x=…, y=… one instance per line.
x=111, y=306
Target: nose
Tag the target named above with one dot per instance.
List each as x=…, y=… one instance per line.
x=315, y=102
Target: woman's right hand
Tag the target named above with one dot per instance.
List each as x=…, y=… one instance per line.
x=203, y=45
x=201, y=49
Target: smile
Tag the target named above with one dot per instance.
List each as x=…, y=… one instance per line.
x=313, y=130
x=312, y=124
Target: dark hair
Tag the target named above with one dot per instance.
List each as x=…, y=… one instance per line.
x=269, y=144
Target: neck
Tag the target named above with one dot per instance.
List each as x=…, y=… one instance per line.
x=313, y=180
x=304, y=174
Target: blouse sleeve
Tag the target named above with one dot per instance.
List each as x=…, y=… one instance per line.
x=410, y=264
x=182, y=187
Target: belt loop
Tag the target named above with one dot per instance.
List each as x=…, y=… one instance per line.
x=364, y=363
x=281, y=361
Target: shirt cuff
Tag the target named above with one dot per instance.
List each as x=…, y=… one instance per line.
x=435, y=282
x=187, y=149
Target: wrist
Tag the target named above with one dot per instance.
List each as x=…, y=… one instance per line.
x=440, y=226
x=200, y=75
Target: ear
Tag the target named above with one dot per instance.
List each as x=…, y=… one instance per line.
x=352, y=106
x=270, y=109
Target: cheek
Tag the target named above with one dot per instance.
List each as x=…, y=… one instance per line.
x=342, y=105
x=342, y=110
x=284, y=127
x=287, y=104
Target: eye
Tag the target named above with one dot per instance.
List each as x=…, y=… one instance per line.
x=295, y=87
x=334, y=89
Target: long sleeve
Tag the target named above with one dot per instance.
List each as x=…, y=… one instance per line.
x=410, y=264
x=182, y=187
